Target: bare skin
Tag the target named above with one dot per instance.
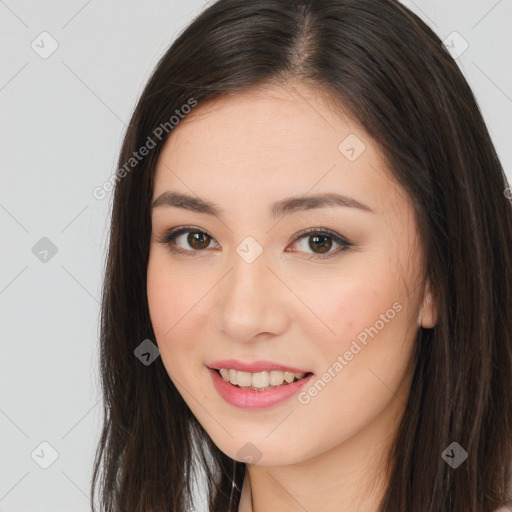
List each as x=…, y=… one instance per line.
x=322, y=452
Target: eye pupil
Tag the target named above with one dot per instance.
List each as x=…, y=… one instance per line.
x=316, y=238
x=193, y=239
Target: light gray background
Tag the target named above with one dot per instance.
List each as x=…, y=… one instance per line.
x=62, y=120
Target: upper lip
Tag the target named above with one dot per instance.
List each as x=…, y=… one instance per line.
x=254, y=367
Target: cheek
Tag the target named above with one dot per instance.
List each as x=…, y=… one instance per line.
x=171, y=308
x=369, y=350
x=357, y=310
x=173, y=295
x=365, y=363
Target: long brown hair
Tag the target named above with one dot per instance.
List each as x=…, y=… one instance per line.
x=392, y=73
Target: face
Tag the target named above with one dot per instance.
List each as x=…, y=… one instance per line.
x=332, y=289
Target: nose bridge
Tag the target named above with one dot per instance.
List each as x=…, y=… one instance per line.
x=251, y=301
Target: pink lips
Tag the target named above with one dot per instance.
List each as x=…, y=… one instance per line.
x=257, y=366
x=253, y=399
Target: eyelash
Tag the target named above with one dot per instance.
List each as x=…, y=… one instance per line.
x=169, y=236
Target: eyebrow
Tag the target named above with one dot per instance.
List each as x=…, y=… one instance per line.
x=279, y=208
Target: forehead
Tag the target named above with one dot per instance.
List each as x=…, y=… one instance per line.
x=293, y=115
x=269, y=142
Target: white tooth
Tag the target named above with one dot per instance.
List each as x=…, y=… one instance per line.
x=260, y=379
x=276, y=377
x=243, y=378
x=289, y=376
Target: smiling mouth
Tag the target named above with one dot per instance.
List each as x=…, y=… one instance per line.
x=260, y=381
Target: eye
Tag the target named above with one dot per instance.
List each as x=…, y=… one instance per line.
x=321, y=241
x=197, y=239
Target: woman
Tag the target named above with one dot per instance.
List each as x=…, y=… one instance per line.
x=315, y=235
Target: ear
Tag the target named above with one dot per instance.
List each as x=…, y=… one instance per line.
x=427, y=317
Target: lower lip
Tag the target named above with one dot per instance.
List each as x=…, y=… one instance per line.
x=248, y=399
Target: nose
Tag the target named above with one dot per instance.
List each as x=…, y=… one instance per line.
x=253, y=303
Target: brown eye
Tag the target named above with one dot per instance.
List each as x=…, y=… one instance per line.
x=320, y=243
x=198, y=240
x=195, y=241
